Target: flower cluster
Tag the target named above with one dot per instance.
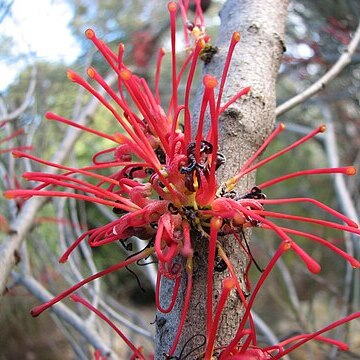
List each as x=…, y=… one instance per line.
x=162, y=183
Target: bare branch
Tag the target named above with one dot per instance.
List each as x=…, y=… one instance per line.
x=64, y=313
x=27, y=99
x=349, y=210
x=23, y=222
x=343, y=195
x=335, y=70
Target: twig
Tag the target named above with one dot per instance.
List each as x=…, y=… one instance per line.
x=77, y=348
x=335, y=70
x=348, y=208
x=291, y=289
x=341, y=189
x=265, y=329
x=23, y=223
x=64, y=313
x=27, y=99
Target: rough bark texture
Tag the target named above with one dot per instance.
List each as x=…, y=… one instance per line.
x=243, y=127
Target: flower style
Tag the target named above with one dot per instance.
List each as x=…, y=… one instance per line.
x=162, y=183
x=13, y=135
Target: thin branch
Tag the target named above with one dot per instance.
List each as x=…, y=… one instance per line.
x=341, y=189
x=64, y=313
x=335, y=70
x=5, y=9
x=349, y=210
x=77, y=348
x=291, y=290
x=23, y=223
x=265, y=329
x=27, y=99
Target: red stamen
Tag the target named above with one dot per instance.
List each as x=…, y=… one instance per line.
x=36, y=311
x=233, y=181
x=71, y=248
x=101, y=315
x=213, y=136
x=172, y=7
x=199, y=132
x=110, y=57
x=246, y=169
x=315, y=202
x=311, y=264
x=177, y=283
x=185, y=307
x=121, y=50
x=279, y=252
x=199, y=13
x=145, y=105
x=13, y=135
x=143, y=149
x=348, y=170
x=187, y=119
x=83, y=171
x=234, y=40
x=341, y=345
x=215, y=225
x=352, y=261
x=241, y=93
x=157, y=74
x=11, y=194
x=156, y=117
x=227, y=285
x=317, y=333
x=310, y=220
x=232, y=272
x=138, y=136
x=16, y=148
x=51, y=116
x=55, y=179
x=185, y=21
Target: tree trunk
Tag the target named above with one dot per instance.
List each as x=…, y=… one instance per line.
x=243, y=127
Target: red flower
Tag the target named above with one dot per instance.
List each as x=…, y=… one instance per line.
x=163, y=183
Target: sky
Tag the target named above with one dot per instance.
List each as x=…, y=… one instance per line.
x=38, y=27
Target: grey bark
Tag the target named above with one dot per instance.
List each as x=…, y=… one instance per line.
x=243, y=127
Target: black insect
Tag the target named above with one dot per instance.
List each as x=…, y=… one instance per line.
x=159, y=152
x=201, y=166
x=132, y=170
x=207, y=53
x=190, y=214
x=190, y=25
x=160, y=322
x=118, y=211
x=220, y=160
x=220, y=264
x=173, y=209
x=205, y=149
x=255, y=193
